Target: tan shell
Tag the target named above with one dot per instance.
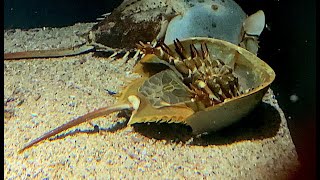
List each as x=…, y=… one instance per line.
x=254, y=75
x=160, y=95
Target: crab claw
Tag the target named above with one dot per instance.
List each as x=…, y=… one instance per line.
x=254, y=24
x=253, y=27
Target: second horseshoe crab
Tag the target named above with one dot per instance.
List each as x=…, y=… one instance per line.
x=204, y=83
x=150, y=21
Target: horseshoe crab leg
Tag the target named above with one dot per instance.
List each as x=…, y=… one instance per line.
x=132, y=105
x=253, y=27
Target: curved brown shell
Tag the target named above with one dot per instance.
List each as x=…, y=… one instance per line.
x=254, y=75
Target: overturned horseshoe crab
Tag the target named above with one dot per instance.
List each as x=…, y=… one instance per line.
x=151, y=21
x=204, y=83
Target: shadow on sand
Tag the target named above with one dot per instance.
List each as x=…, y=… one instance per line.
x=263, y=122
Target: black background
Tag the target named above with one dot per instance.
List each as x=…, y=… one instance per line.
x=288, y=46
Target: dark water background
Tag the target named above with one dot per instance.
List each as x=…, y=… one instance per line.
x=288, y=46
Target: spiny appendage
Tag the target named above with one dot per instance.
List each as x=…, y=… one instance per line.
x=211, y=80
x=154, y=48
x=120, y=54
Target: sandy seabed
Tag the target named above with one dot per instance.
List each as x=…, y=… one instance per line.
x=41, y=94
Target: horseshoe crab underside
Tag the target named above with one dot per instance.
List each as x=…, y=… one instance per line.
x=253, y=74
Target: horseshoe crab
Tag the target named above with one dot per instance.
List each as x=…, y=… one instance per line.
x=204, y=83
x=151, y=21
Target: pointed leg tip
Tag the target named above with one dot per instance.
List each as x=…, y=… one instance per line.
x=21, y=150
